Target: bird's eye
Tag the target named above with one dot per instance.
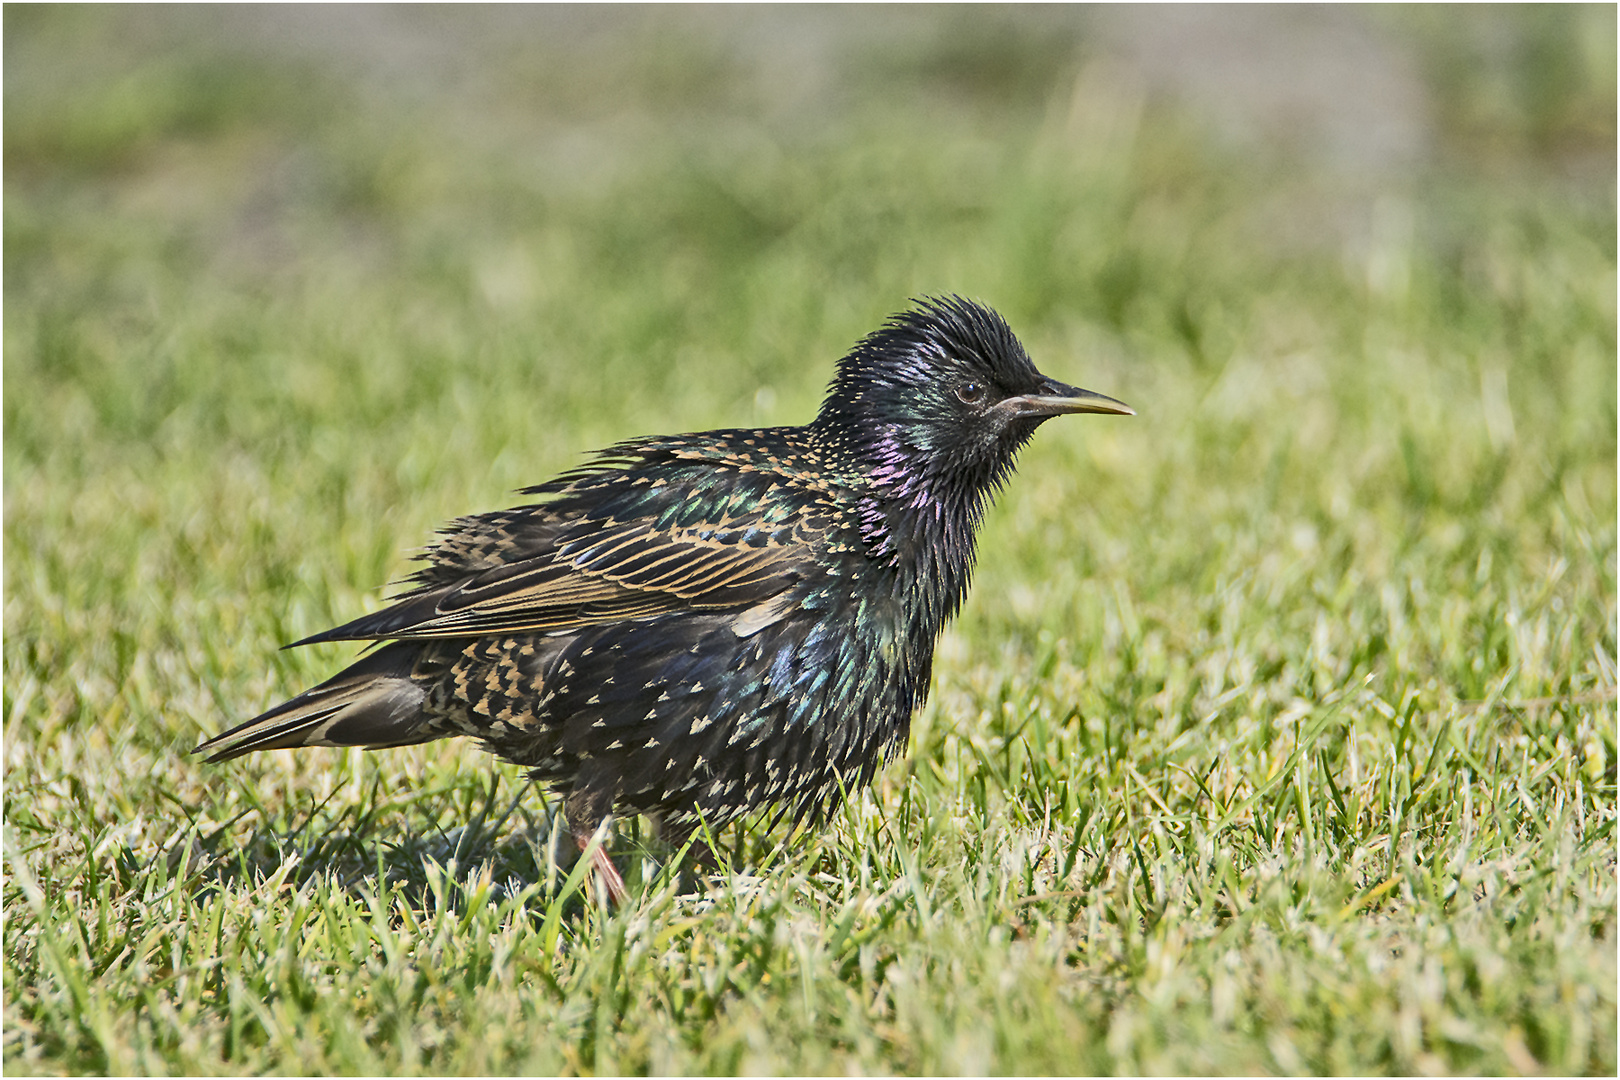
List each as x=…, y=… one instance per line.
x=970, y=392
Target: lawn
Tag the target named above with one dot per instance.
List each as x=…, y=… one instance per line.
x=1278, y=731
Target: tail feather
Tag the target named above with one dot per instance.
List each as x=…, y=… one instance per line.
x=372, y=703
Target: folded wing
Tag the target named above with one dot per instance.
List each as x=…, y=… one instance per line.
x=582, y=561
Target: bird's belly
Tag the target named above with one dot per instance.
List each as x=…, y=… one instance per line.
x=692, y=719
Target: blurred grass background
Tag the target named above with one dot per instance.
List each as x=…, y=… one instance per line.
x=1277, y=735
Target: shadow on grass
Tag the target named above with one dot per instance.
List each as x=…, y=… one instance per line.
x=511, y=840
x=398, y=845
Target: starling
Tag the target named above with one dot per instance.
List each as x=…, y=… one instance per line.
x=696, y=626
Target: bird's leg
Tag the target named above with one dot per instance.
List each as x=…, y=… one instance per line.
x=606, y=874
x=589, y=812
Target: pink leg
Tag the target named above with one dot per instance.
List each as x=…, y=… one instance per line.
x=602, y=868
x=588, y=810
x=608, y=875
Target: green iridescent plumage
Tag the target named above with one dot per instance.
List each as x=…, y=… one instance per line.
x=700, y=625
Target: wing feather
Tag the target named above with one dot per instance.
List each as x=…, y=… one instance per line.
x=564, y=565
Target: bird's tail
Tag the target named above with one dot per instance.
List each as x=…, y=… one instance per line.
x=372, y=703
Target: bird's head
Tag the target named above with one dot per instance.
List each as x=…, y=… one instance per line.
x=942, y=398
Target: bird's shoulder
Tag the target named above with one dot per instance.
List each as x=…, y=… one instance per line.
x=768, y=489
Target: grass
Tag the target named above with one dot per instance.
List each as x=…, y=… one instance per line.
x=1278, y=733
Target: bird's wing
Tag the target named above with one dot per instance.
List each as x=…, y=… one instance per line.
x=566, y=565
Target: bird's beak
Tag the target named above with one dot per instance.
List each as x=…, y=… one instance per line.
x=1057, y=398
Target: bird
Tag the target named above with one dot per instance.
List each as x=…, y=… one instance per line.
x=695, y=627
